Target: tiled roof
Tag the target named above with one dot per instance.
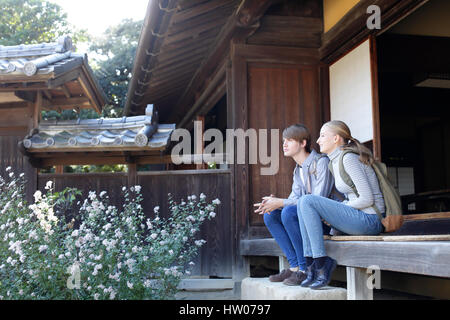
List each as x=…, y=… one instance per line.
x=44, y=58
x=142, y=132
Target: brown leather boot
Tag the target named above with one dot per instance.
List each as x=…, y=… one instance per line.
x=295, y=279
x=280, y=277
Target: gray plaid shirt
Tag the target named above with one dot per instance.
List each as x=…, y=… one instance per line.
x=317, y=177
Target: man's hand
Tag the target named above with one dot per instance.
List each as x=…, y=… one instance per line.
x=268, y=204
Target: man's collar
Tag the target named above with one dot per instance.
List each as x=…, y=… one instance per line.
x=309, y=159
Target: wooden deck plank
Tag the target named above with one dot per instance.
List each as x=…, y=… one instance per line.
x=419, y=257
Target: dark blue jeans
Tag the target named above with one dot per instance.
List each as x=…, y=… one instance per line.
x=285, y=229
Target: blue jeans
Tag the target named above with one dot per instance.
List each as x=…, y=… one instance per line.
x=284, y=227
x=312, y=208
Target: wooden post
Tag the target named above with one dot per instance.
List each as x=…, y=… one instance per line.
x=357, y=284
x=198, y=143
x=37, y=109
x=283, y=263
x=132, y=174
x=59, y=169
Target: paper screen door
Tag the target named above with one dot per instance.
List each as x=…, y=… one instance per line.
x=354, y=93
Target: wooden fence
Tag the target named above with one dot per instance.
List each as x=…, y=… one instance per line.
x=215, y=257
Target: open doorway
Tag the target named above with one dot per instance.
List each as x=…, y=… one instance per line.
x=414, y=104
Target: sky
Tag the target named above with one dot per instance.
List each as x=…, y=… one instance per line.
x=97, y=15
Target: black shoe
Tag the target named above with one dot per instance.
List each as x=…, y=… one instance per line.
x=310, y=276
x=295, y=279
x=323, y=275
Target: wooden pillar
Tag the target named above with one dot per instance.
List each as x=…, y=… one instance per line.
x=357, y=284
x=37, y=109
x=132, y=174
x=59, y=169
x=198, y=143
x=237, y=98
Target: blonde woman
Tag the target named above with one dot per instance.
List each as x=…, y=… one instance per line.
x=355, y=215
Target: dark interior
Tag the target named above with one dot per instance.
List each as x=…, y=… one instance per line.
x=415, y=119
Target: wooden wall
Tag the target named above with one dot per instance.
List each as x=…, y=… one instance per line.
x=285, y=95
x=215, y=257
x=15, y=121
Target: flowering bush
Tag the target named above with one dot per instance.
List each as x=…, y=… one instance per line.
x=109, y=253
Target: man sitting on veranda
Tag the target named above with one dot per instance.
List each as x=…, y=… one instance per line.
x=311, y=176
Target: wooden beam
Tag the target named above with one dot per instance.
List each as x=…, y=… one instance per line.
x=242, y=22
x=37, y=109
x=35, y=86
x=68, y=102
x=276, y=54
x=47, y=94
x=426, y=257
x=66, y=77
x=65, y=90
x=156, y=22
x=89, y=92
x=352, y=28
x=250, y=11
x=217, y=79
x=418, y=257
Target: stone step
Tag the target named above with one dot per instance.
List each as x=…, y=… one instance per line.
x=205, y=284
x=263, y=289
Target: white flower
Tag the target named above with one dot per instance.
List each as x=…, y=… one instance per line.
x=92, y=195
x=102, y=194
x=193, y=197
x=37, y=196
x=156, y=209
x=8, y=168
x=137, y=189
x=124, y=188
x=199, y=243
x=129, y=285
x=216, y=201
x=171, y=252
x=11, y=174
x=42, y=248
x=202, y=196
x=48, y=185
x=212, y=214
x=96, y=296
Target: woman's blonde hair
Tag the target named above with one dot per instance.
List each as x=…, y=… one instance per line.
x=341, y=129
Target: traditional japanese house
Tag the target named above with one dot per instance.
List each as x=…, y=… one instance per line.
x=240, y=64
x=381, y=66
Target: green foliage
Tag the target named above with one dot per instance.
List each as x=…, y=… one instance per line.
x=113, y=62
x=34, y=21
